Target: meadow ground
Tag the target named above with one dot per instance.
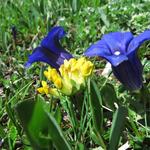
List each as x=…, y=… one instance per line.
x=23, y=24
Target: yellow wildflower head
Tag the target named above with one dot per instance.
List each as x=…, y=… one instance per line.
x=71, y=76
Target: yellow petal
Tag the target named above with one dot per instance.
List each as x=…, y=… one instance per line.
x=54, y=92
x=66, y=63
x=81, y=60
x=58, y=83
x=41, y=90
x=54, y=75
x=47, y=75
x=44, y=84
x=87, y=68
x=72, y=61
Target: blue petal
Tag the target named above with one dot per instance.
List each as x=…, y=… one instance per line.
x=51, y=41
x=116, y=60
x=129, y=73
x=101, y=49
x=44, y=55
x=137, y=41
x=118, y=41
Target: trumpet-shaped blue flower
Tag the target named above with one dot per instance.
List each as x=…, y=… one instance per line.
x=50, y=51
x=120, y=49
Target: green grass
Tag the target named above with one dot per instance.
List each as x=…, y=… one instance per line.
x=85, y=22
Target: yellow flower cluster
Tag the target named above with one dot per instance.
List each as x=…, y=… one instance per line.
x=70, y=78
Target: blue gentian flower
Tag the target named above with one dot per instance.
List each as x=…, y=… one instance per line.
x=50, y=51
x=120, y=49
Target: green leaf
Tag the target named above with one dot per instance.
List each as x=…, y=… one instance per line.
x=95, y=138
x=26, y=113
x=40, y=126
x=97, y=111
x=11, y=114
x=109, y=96
x=81, y=146
x=56, y=134
x=96, y=106
x=12, y=134
x=2, y=132
x=57, y=115
x=118, y=123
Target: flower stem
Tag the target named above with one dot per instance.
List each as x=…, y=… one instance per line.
x=131, y=121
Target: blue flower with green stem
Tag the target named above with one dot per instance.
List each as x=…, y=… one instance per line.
x=120, y=49
x=50, y=50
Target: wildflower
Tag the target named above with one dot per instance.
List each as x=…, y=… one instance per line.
x=70, y=78
x=50, y=51
x=120, y=49
x=46, y=89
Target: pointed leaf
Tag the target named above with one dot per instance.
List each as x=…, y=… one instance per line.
x=118, y=124
x=96, y=106
x=56, y=134
x=39, y=125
